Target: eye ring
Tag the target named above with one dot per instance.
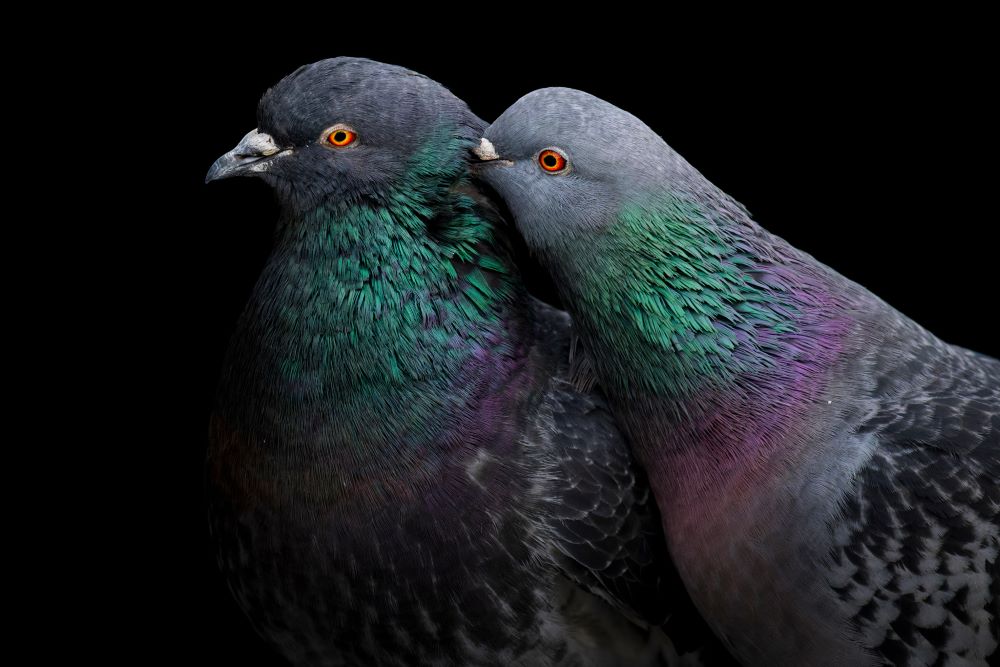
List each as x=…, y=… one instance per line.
x=338, y=136
x=553, y=161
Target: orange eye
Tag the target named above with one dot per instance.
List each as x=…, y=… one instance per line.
x=551, y=161
x=341, y=137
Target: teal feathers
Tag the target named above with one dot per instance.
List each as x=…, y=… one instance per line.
x=364, y=308
x=694, y=300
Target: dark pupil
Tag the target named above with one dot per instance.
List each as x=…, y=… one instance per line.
x=339, y=137
x=550, y=160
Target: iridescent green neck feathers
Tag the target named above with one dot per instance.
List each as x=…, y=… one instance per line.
x=686, y=301
x=378, y=323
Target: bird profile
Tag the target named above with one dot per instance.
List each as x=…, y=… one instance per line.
x=825, y=467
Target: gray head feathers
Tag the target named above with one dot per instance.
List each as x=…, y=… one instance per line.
x=612, y=157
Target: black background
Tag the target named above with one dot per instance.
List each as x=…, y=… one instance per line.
x=873, y=150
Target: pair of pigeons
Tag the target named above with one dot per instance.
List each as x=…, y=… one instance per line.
x=409, y=466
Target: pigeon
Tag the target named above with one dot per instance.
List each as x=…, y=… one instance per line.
x=827, y=471
x=400, y=468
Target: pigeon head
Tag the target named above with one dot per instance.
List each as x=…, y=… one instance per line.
x=347, y=129
x=566, y=162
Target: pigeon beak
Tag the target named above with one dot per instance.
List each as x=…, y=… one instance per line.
x=252, y=155
x=485, y=151
x=488, y=154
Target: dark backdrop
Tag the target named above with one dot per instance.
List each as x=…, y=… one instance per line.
x=874, y=152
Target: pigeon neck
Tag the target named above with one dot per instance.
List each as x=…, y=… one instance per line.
x=372, y=337
x=693, y=312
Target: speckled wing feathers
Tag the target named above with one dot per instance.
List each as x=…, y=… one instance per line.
x=916, y=553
